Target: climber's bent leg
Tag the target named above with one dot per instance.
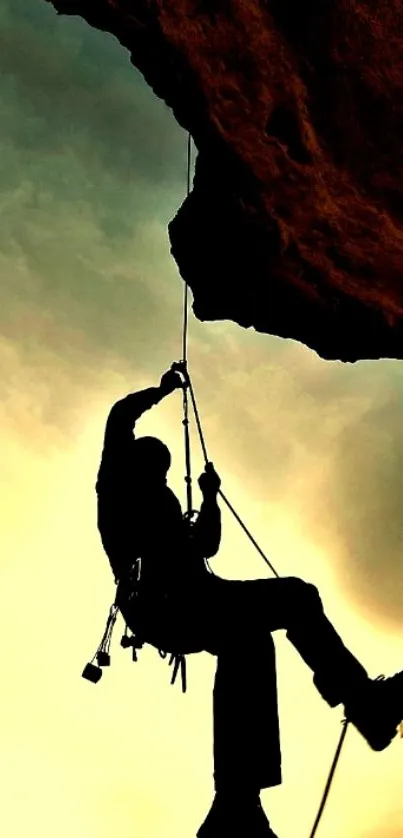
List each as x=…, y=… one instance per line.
x=295, y=606
x=337, y=673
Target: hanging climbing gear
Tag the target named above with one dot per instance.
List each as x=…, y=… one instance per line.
x=177, y=659
x=92, y=672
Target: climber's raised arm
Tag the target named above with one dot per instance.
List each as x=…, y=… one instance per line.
x=207, y=529
x=118, y=439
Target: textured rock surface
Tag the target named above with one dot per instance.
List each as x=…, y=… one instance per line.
x=295, y=222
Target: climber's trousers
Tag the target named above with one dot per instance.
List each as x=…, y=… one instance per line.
x=234, y=620
x=239, y=617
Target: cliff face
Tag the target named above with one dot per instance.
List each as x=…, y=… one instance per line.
x=295, y=222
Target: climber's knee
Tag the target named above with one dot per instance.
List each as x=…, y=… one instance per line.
x=303, y=597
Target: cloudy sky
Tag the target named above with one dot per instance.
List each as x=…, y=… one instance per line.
x=92, y=168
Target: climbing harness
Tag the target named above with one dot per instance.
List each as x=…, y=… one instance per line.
x=177, y=660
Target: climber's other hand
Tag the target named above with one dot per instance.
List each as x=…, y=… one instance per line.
x=209, y=481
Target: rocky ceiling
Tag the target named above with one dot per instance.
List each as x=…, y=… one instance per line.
x=294, y=224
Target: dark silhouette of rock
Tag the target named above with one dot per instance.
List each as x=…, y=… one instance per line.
x=294, y=225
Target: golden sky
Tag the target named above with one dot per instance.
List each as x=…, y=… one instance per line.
x=92, y=167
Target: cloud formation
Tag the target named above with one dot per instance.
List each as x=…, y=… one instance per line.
x=93, y=167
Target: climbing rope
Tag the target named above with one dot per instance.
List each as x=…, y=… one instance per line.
x=185, y=422
x=188, y=478
x=220, y=492
x=330, y=778
x=183, y=367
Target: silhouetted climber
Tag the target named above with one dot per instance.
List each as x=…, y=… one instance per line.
x=177, y=604
x=138, y=515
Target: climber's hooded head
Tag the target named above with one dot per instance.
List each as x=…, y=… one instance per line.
x=152, y=458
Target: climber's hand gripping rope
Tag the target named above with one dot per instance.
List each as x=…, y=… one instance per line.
x=170, y=381
x=180, y=368
x=209, y=481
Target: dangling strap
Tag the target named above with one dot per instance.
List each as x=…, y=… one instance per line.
x=179, y=661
